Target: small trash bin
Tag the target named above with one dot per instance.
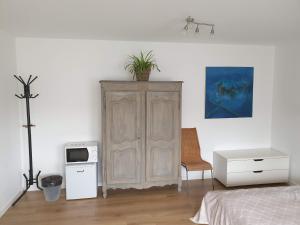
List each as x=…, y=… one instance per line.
x=52, y=186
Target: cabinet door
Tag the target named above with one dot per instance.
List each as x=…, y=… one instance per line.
x=162, y=149
x=124, y=150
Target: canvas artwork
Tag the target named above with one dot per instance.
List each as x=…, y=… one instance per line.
x=229, y=92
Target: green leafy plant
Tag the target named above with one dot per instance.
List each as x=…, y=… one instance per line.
x=141, y=65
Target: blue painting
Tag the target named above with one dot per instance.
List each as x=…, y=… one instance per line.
x=229, y=92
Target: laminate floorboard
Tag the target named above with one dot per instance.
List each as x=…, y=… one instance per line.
x=154, y=206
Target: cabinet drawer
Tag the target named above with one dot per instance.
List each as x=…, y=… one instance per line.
x=257, y=177
x=258, y=164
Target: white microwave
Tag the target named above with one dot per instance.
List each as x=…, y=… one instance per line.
x=81, y=152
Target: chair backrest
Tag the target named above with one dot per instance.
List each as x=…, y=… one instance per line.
x=190, y=148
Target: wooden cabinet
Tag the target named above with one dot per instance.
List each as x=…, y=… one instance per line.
x=141, y=123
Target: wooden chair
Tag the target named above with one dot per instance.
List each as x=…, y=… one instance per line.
x=190, y=153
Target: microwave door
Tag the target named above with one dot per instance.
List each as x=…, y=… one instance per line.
x=77, y=155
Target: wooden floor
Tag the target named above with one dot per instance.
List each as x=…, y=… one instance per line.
x=155, y=206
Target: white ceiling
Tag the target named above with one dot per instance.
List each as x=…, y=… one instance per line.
x=237, y=21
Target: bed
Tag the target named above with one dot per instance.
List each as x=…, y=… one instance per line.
x=256, y=206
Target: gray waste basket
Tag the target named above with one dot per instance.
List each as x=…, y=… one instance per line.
x=51, y=187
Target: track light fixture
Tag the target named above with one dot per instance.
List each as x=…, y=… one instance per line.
x=190, y=21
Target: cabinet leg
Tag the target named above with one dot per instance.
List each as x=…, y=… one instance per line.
x=179, y=187
x=104, y=192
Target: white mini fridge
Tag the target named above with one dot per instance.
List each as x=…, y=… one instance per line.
x=81, y=181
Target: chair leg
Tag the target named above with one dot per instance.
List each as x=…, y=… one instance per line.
x=202, y=174
x=212, y=179
x=187, y=176
x=187, y=180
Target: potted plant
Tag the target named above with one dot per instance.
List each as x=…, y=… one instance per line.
x=141, y=66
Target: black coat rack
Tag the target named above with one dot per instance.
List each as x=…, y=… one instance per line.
x=30, y=180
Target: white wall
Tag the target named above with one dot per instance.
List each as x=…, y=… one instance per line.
x=68, y=108
x=10, y=159
x=286, y=105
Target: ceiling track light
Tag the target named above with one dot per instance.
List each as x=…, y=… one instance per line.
x=190, y=21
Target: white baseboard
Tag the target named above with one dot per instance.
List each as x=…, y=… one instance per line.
x=8, y=204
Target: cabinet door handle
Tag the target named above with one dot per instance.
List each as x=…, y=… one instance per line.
x=258, y=171
x=257, y=160
x=80, y=171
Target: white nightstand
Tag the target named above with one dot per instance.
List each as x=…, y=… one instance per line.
x=252, y=166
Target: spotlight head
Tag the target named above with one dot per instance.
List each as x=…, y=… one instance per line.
x=212, y=31
x=186, y=27
x=189, y=19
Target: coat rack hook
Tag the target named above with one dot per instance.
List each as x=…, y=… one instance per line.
x=18, y=96
x=28, y=82
x=21, y=80
x=35, y=95
x=33, y=80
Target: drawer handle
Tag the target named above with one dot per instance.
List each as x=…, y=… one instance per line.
x=258, y=160
x=80, y=171
x=258, y=171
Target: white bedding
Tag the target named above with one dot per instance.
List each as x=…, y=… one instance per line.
x=258, y=206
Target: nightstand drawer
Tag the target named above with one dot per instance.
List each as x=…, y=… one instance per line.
x=257, y=177
x=258, y=164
